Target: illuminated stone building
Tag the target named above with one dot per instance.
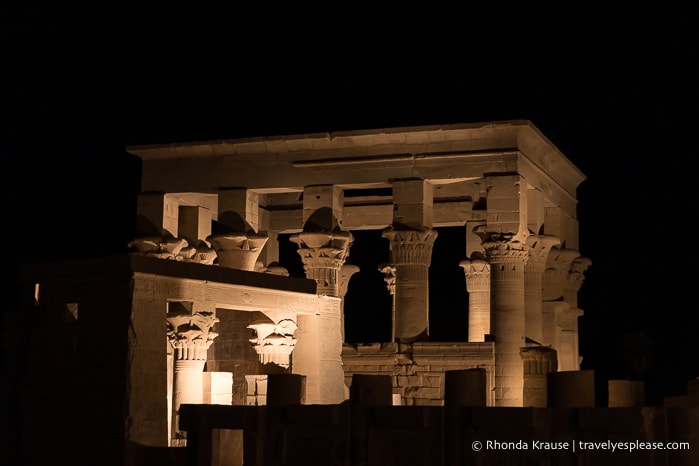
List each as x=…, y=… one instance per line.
x=203, y=311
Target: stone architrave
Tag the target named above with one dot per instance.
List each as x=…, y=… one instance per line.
x=411, y=254
x=477, y=271
x=539, y=249
x=389, y=272
x=507, y=258
x=323, y=255
x=190, y=336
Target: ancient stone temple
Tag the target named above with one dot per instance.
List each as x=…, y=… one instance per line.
x=203, y=310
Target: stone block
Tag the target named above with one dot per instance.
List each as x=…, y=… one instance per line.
x=286, y=389
x=413, y=215
x=194, y=223
x=465, y=388
x=218, y=388
x=570, y=389
x=371, y=390
x=412, y=192
x=503, y=204
x=626, y=393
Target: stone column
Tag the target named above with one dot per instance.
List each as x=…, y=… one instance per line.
x=411, y=253
x=323, y=255
x=236, y=241
x=562, y=280
x=411, y=238
x=507, y=260
x=538, y=361
x=566, y=341
x=318, y=352
x=574, y=280
x=389, y=272
x=190, y=335
x=477, y=272
x=539, y=249
x=346, y=272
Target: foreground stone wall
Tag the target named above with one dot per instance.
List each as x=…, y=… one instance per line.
x=434, y=436
x=72, y=393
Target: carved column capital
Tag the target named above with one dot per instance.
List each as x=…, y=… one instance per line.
x=190, y=334
x=477, y=274
x=539, y=360
x=411, y=247
x=237, y=250
x=558, y=266
x=274, y=341
x=576, y=274
x=323, y=255
x=389, y=272
x=161, y=247
x=539, y=250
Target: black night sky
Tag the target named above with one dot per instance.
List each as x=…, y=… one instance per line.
x=614, y=90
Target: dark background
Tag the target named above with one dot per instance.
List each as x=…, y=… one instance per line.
x=614, y=89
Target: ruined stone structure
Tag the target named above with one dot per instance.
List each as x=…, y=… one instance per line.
x=207, y=311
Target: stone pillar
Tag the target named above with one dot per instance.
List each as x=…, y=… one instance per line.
x=411, y=253
x=539, y=249
x=538, y=361
x=477, y=271
x=550, y=312
x=270, y=253
x=411, y=238
x=318, y=353
x=323, y=255
x=567, y=319
x=558, y=316
x=236, y=241
x=190, y=335
x=346, y=272
x=389, y=272
x=507, y=260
